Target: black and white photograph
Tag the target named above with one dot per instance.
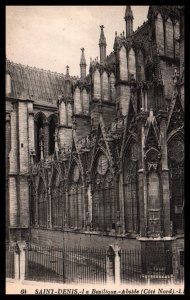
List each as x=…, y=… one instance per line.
x=94, y=104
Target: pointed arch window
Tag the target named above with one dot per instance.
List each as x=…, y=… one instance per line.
x=76, y=199
x=42, y=204
x=176, y=175
x=32, y=203
x=176, y=39
x=58, y=200
x=104, y=196
x=40, y=120
x=130, y=189
x=160, y=33
x=52, y=127
x=169, y=34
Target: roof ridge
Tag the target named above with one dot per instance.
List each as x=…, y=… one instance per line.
x=38, y=69
x=140, y=27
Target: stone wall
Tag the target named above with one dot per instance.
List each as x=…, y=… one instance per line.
x=55, y=238
x=82, y=125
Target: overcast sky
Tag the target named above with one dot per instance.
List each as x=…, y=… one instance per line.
x=50, y=37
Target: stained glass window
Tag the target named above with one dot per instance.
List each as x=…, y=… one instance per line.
x=42, y=204
x=32, y=204
x=58, y=199
x=130, y=190
x=76, y=200
x=104, y=197
x=176, y=172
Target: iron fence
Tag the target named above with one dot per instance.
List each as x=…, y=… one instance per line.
x=138, y=267
x=9, y=261
x=85, y=265
x=88, y=265
x=82, y=265
x=44, y=264
x=130, y=266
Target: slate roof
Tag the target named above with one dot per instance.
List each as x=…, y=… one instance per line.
x=38, y=84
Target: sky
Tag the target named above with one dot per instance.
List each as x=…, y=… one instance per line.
x=50, y=37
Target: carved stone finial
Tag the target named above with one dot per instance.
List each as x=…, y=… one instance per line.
x=67, y=70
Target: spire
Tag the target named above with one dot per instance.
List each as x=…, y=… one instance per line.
x=82, y=64
x=128, y=12
x=67, y=71
x=129, y=20
x=82, y=60
x=102, y=40
x=67, y=82
x=102, y=45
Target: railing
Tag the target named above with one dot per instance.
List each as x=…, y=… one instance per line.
x=65, y=264
x=85, y=265
x=9, y=261
x=130, y=266
x=44, y=264
x=92, y=265
x=134, y=268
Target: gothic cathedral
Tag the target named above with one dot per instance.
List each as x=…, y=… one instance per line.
x=101, y=157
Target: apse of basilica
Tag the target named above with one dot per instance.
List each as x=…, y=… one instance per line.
x=101, y=156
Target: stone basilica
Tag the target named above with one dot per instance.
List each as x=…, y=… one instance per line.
x=99, y=158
